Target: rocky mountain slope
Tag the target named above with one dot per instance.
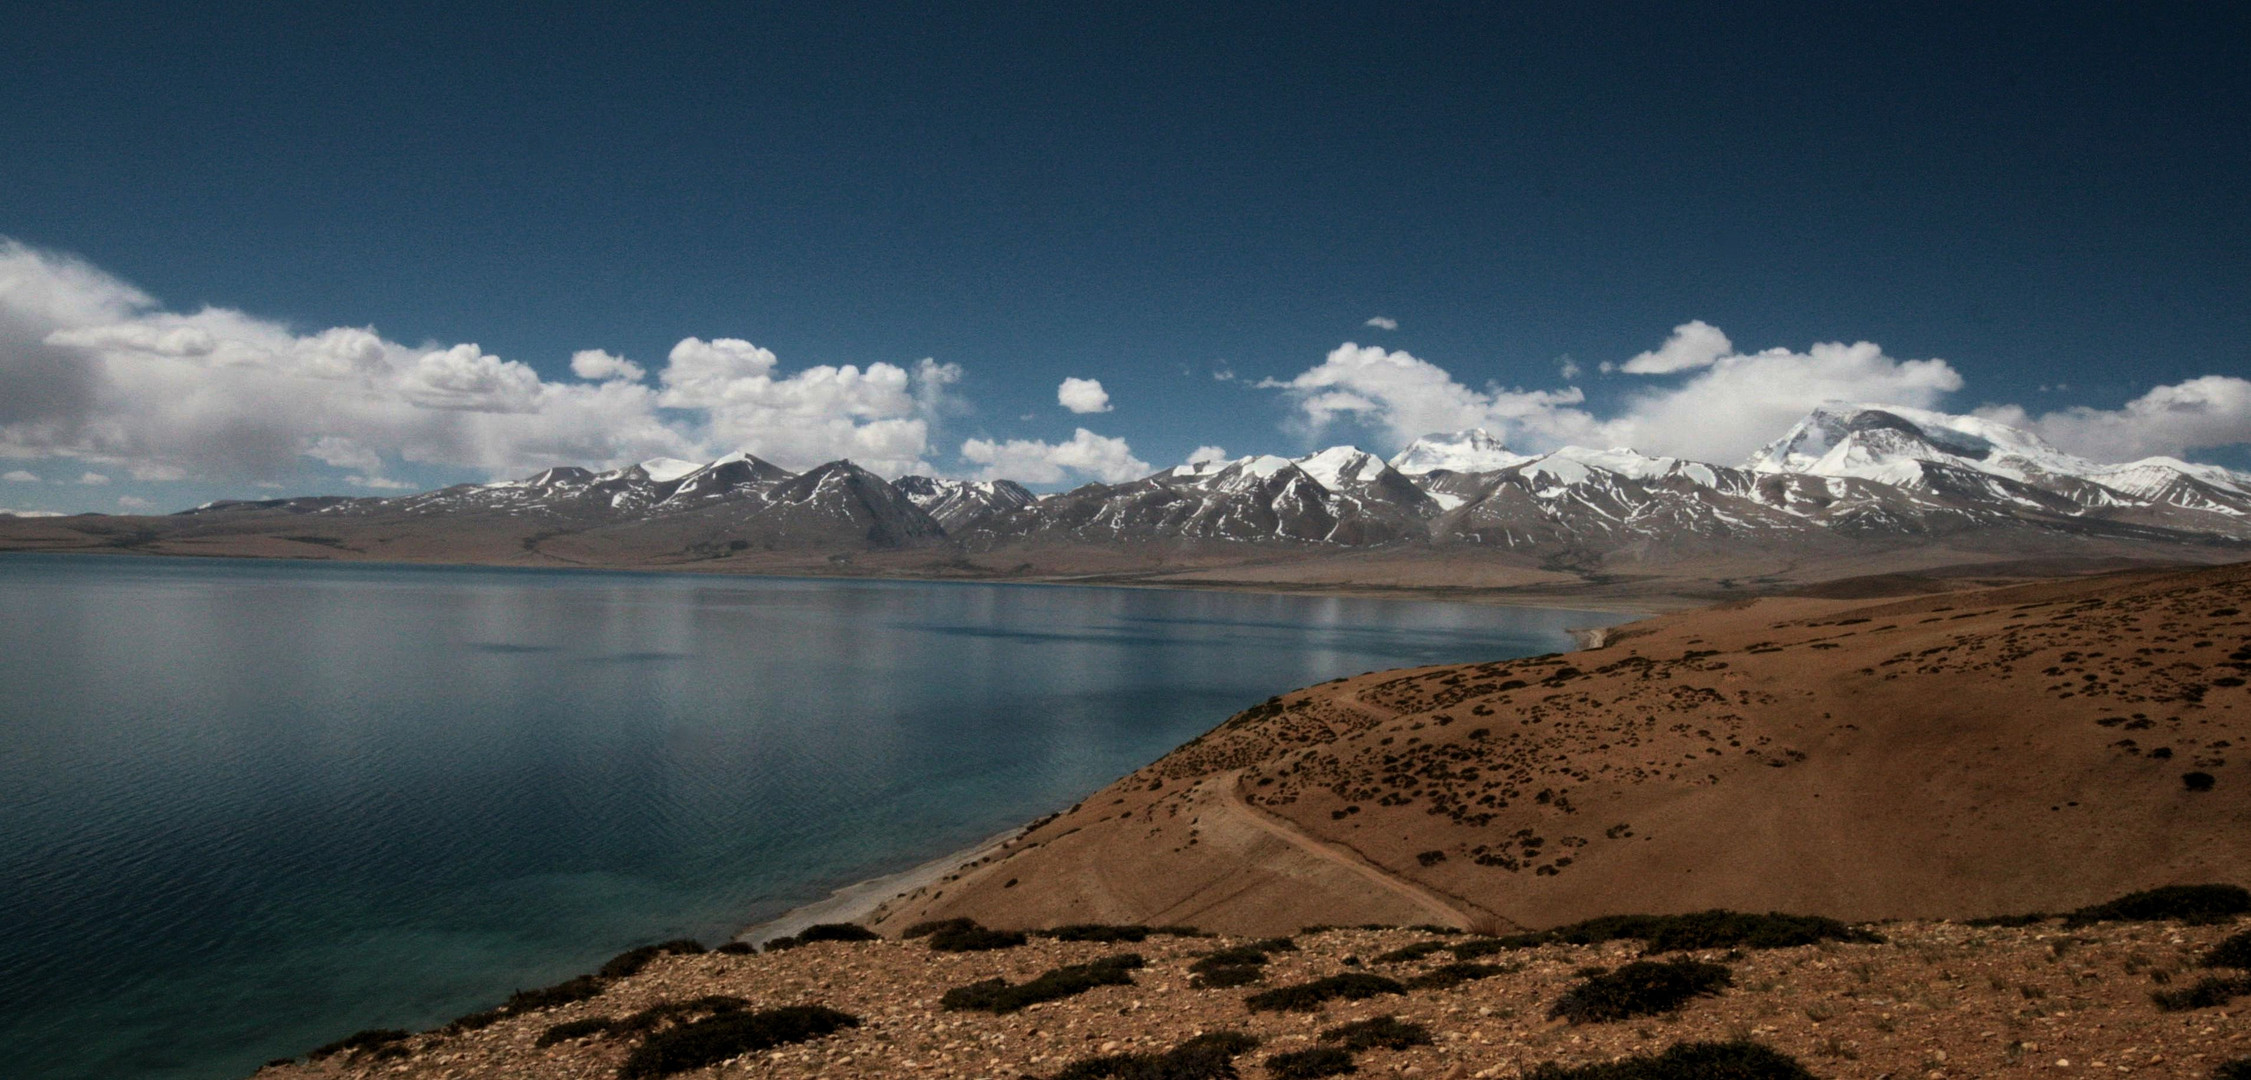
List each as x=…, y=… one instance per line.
x=2038, y=747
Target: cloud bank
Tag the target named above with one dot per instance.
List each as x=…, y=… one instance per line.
x=96, y=371
x=1033, y=462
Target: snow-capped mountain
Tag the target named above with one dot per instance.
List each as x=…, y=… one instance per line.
x=1844, y=475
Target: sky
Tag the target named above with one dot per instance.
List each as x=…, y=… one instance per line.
x=259, y=249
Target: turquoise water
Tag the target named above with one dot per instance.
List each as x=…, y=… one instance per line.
x=247, y=807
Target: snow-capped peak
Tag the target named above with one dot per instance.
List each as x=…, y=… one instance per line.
x=1892, y=443
x=1340, y=467
x=665, y=470
x=1471, y=451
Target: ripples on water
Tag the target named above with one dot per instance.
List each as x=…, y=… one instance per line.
x=247, y=807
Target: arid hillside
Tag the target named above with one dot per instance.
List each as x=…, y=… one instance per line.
x=2037, y=747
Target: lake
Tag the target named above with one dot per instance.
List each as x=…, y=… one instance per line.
x=248, y=807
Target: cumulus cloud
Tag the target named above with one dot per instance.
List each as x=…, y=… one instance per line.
x=1083, y=396
x=1693, y=344
x=1730, y=405
x=1381, y=323
x=1087, y=455
x=20, y=476
x=1203, y=454
x=93, y=369
x=599, y=366
x=2211, y=411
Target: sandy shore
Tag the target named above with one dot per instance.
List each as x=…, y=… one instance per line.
x=857, y=901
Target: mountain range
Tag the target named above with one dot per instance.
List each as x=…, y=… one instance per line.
x=1844, y=481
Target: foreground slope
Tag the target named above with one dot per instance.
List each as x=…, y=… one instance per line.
x=2014, y=749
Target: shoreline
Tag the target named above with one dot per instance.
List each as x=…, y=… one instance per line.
x=860, y=899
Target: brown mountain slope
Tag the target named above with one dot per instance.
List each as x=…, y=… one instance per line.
x=1976, y=752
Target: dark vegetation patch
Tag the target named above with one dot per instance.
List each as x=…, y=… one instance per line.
x=2210, y=992
x=964, y=935
x=736, y=948
x=2198, y=781
x=358, y=1041
x=1306, y=1064
x=1641, y=988
x=1738, y=1060
x=999, y=996
x=575, y=989
x=2233, y=951
x=1108, y=932
x=1205, y=1057
x=2239, y=1069
x=730, y=1034
x=1237, y=966
x=833, y=931
x=2188, y=903
x=1416, y=951
x=1350, y=986
x=1388, y=1032
x=1449, y=976
x=642, y=1022
x=1714, y=929
x=631, y=961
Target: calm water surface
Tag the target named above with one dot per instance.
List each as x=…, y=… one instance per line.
x=247, y=807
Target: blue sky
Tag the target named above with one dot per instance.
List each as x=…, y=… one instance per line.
x=2048, y=200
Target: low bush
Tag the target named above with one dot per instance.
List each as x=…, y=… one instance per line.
x=630, y=962
x=1714, y=929
x=1410, y=953
x=727, y=1035
x=1305, y=1064
x=736, y=948
x=925, y=929
x=575, y=1029
x=1237, y=966
x=1640, y=988
x=1388, y=1032
x=1449, y=976
x=2189, y=903
x=358, y=1041
x=1351, y=986
x=974, y=938
x=998, y=996
x=1686, y=1061
x=646, y=1020
x=2208, y=993
x=574, y=989
x=2239, y=1069
x=2027, y=919
x=834, y=931
x=1206, y=1057
x=2232, y=952
x=1100, y=932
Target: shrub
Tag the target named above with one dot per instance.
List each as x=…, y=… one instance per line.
x=647, y=1019
x=1409, y=953
x=2231, y=952
x=1273, y=945
x=577, y=988
x=630, y=962
x=2026, y=919
x=925, y=929
x=358, y=1041
x=2191, y=903
x=966, y=936
x=1686, y=1061
x=1318, y=1061
x=1237, y=966
x=730, y=1034
x=1388, y=1032
x=2207, y=993
x=1212, y=978
x=1351, y=986
x=1102, y=932
x=1205, y=1057
x=834, y=931
x=736, y=948
x=1449, y=976
x=1714, y=929
x=2239, y=1069
x=997, y=996
x=1639, y=989
x=476, y=1021
x=2197, y=781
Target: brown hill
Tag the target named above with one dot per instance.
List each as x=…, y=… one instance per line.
x=2037, y=747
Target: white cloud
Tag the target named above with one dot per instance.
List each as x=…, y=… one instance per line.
x=1568, y=368
x=95, y=370
x=1203, y=454
x=600, y=366
x=1381, y=323
x=1102, y=458
x=378, y=482
x=92, y=478
x=20, y=476
x=1732, y=405
x=2211, y=411
x=133, y=502
x=1083, y=396
x=1693, y=344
